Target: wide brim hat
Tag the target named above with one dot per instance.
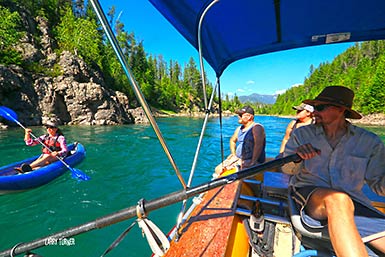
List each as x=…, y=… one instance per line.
x=51, y=122
x=338, y=96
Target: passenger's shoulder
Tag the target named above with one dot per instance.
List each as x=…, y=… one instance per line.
x=361, y=132
x=258, y=126
x=311, y=129
x=61, y=137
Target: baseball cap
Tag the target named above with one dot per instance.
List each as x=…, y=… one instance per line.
x=245, y=109
x=304, y=106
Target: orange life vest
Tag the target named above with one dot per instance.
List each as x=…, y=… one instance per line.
x=52, y=144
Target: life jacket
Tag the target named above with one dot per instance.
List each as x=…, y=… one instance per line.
x=245, y=146
x=52, y=144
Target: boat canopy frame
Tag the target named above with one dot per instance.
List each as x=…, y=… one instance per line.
x=248, y=28
x=138, y=92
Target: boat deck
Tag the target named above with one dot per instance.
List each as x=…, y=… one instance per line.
x=208, y=230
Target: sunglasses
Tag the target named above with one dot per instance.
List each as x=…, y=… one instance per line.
x=50, y=127
x=321, y=107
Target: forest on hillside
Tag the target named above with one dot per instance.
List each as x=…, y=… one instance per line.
x=361, y=68
x=167, y=84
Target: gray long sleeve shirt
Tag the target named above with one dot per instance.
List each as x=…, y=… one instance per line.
x=358, y=158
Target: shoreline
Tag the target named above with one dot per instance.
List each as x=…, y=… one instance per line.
x=377, y=119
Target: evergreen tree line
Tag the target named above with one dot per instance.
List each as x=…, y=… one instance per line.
x=166, y=84
x=361, y=68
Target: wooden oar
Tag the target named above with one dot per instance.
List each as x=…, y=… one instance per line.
x=150, y=205
x=10, y=115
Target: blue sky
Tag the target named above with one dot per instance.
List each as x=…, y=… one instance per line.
x=264, y=74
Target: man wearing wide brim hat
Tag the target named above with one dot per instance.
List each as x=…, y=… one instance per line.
x=338, y=159
x=336, y=96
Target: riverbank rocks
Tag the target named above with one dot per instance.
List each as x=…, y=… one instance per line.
x=377, y=119
x=59, y=85
x=77, y=97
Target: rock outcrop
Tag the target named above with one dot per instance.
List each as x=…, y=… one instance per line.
x=74, y=93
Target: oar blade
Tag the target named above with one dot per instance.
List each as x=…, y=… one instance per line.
x=78, y=174
x=7, y=113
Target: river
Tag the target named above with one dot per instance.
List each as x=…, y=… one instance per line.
x=125, y=163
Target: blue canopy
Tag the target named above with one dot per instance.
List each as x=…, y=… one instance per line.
x=236, y=29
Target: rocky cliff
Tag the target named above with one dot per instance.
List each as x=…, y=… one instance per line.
x=78, y=95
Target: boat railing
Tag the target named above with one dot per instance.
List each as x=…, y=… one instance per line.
x=207, y=113
x=138, y=92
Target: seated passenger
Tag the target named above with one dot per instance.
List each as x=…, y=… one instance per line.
x=304, y=117
x=338, y=159
x=251, y=140
x=54, y=140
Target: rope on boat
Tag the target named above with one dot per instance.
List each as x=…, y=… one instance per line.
x=118, y=240
x=157, y=241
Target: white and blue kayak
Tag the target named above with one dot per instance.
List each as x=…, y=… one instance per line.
x=12, y=181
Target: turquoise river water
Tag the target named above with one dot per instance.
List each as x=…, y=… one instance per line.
x=125, y=163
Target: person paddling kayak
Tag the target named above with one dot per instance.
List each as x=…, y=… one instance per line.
x=54, y=140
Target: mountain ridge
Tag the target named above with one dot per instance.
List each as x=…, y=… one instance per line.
x=258, y=98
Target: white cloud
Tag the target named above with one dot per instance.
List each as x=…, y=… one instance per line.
x=241, y=90
x=279, y=92
x=250, y=82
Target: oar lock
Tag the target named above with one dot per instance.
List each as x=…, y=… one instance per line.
x=140, y=210
x=157, y=241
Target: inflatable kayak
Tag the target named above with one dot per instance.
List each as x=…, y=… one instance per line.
x=12, y=181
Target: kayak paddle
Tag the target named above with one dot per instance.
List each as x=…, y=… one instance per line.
x=10, y=115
